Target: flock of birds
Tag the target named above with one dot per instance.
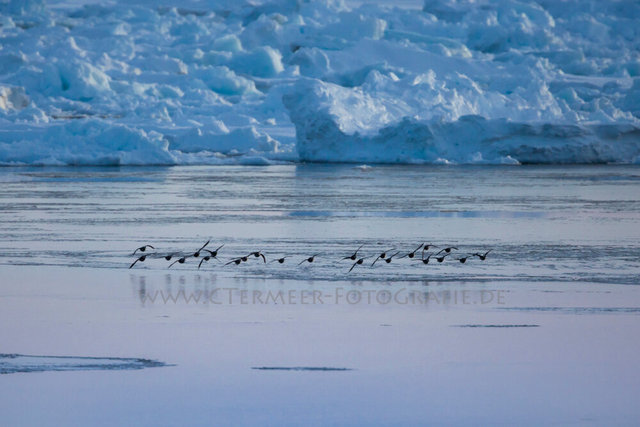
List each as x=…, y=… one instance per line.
x=387, y=256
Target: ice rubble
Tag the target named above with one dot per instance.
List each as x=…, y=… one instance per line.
x=199, y=82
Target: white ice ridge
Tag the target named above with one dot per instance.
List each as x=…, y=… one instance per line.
x=208, y=82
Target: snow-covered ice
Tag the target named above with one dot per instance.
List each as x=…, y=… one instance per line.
x=226, y=82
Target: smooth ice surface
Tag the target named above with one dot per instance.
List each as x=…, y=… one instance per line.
x=237, y=82
x=542, y=332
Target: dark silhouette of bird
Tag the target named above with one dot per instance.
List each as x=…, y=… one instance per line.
x=208, y=257
x=441, y=258
x=214, y=254
x=412, y=253
x=310, y=259
x=142, y=249
x=279, y=260
x=448, y=249
x=464, y=259
x=355, y=254
x=383, y=255
x=258, y=254
x=196, y=254
x=389, y=258
x=179, y=260
x=235, y=261
x=168, y=257
x=427, y=246
x=358, y=262
x=482, y=256
x=141, y=259
x=425, y=260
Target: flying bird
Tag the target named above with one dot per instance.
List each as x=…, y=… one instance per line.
x=383, y=255
x=310, y=259
x=355, y=254
x=464, y=259
x=482, y=256
x=425, y=260
x=258, y=254
x=207, y=258
x=358, y=262
x=388, y=259
x=141, y=259
x=196, y=254
x=237, y=261
x=179, y=260
x=441, y=258
x=214, y=254
x=427, y=246
x=142, y=249
x=412, y=253
x=279, y=260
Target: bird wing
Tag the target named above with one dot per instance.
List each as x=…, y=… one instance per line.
x=203, y=246
x=134, y=263
x=353, y=266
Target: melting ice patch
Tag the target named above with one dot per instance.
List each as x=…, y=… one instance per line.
x=210, y=82
x=14, y=363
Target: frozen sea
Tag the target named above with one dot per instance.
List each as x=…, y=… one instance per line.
x=544, y=331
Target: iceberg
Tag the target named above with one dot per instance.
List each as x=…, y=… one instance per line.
x=224, y=82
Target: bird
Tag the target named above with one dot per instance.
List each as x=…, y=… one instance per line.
x=427, y=246
x=214, y=254
x=141, y=259
x=482, y=256
x=412, y=253
x=237, y=261
x=358, y=262
x=464, y=259
x=196, y=254
x=355, y=254
x=207, y=258
x=383, y=255
x=179, y=260
x=448, y=249
x=310, y=259
x=388, y=259
x=258, y=254
x=279, y=260
x=425, y=260
x=142, y=249
x=441, y=258
x=168, y=257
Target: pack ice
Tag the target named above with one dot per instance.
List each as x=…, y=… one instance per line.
x=257, y=82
